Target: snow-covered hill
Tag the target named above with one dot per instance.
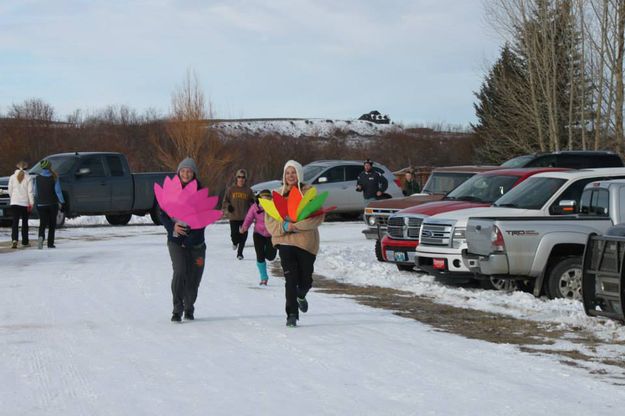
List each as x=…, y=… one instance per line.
x=303, y=127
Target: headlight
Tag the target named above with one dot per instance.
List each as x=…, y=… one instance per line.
x=458, y=238
x=371, y=220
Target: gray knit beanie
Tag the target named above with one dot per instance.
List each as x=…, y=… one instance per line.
x=188, y=163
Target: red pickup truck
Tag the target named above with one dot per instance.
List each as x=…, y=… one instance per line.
x=403, y=227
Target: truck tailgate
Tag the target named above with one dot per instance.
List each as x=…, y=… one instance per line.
x=478, y=235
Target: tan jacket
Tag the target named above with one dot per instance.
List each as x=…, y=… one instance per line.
x=306, y=237
x=239, y=198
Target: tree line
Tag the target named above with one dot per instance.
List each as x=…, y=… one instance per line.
x=558, y=81
x=30, y=130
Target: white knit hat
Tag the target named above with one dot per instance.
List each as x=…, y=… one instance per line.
x=299, y=171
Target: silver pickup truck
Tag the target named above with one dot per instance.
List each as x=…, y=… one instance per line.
x=545, y=250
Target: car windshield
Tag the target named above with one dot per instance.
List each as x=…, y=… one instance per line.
x=518, y=162
x=483, y=188
x=60, y=164
x=443, y=182
x=311, y=171
x=532, y=193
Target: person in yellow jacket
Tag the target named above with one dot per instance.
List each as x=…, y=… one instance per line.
x=297, y=243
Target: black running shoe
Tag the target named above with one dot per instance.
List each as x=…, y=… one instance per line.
x=176, y=317
x=188, y=316
x=302, y=304
x=291, y=321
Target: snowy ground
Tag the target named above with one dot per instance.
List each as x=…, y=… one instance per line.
x=84, y=330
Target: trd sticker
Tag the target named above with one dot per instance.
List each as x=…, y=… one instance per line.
x=517, y=233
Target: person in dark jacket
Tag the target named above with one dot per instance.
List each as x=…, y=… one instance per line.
x=48, y=196
x=237, y=201
x=411, y=186
x=371, y=183
x=187, y=250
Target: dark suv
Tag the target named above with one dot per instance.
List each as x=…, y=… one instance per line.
x=572, y=159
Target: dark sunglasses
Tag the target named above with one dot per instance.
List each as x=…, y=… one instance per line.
x=241, y=177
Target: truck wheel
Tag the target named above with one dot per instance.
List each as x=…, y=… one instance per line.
x=405, y=268
x=6, y=223
x=378, y=250
x=565, y=279
x=122, y=219
x=505, y=285
x=155, y=214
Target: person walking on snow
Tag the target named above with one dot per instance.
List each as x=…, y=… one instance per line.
x=262, y=238
x=371, y=183
x=48, y=196
x=187, y=251
x=236, y=203
x=298, y=245
x=22, y=199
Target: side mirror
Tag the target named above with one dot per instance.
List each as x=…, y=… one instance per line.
x=322, y=179
x=566, y=206
x=83, y=171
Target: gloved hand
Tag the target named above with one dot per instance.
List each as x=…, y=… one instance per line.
x=230, y=208
x=62, y=207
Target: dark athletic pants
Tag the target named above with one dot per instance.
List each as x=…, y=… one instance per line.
x=19, y=212
x=237, y=238
x=264, y=249
x=298, y=267
x=47, y=219
x=188, y=265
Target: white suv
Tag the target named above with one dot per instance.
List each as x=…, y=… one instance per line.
x=338, y=177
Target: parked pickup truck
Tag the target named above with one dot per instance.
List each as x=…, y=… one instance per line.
x=443, y=236
x=98, y=184
x=546, y=250
x=440, y=182
x=402, y=236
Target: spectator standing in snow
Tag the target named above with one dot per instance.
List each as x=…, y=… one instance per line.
x=187, y=250
x=411, y=186
x=48, y=196
x=262, y=238
x=297, y=243
x=371, y=183
x=237, y=201
x=21, y=198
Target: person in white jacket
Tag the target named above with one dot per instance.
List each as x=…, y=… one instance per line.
x=21, y=202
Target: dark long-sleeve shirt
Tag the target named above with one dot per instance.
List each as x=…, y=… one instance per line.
x=371, y=183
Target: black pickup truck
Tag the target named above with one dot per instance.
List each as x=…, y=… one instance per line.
x=97, y=184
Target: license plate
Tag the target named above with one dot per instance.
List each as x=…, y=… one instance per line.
x=400, y=256
x=439, y=264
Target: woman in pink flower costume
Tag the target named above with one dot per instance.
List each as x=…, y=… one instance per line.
x=187, y=250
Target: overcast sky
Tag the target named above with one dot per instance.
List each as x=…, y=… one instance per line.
x=419, y=61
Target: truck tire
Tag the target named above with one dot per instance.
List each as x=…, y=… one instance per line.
x=121, y=219
x=565, y=279
x=155, y=214
x=6, y=223
x=504, y=285
x=378, y=250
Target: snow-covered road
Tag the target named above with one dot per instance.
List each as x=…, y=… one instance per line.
x=85, y=330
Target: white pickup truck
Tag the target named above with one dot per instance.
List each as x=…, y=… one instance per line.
x=545, y=250
x=443, y=236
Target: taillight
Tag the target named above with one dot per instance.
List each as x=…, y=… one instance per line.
x=398, y=182
x=496, y=239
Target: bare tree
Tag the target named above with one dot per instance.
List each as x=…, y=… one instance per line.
x=189, y=133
